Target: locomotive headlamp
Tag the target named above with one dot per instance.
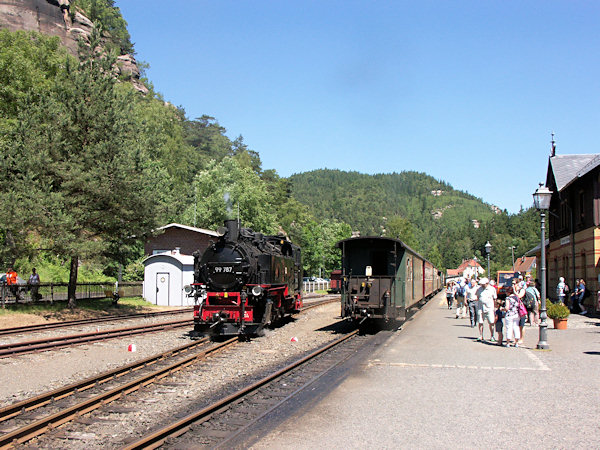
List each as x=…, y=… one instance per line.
x=187, y=289
x=257, y=290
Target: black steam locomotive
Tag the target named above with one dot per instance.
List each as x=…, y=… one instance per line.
x=245, y=281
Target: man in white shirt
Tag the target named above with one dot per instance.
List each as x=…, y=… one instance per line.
x=486, y=300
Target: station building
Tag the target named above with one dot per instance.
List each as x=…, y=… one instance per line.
x=573, y=249
x=169, y=264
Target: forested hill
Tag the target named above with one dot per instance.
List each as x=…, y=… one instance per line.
x=380, y=204
x=367, y=202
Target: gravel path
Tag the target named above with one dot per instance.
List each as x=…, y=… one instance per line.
x=175, y=396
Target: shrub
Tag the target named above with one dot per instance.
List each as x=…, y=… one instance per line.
x=558, y=311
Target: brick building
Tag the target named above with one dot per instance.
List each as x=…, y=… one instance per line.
x=574, y=221
x=182, y=237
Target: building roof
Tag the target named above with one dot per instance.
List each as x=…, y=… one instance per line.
x=185, y=227
x=459, y=271
x=567, y=168
x=186, y=260
x=468, y=263
x=524, y=263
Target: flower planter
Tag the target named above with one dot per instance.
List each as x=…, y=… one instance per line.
x=560, y=324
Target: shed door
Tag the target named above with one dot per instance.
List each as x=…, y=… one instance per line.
x=162, y=288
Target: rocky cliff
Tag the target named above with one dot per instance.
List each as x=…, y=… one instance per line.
x=53, y=17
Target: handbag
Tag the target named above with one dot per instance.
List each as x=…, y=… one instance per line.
x=522, y=309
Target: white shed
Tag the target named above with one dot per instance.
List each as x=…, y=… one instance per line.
x=165, y=275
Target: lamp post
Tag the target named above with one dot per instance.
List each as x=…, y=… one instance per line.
x=488, y=249
x=541, y=201
x=512, y=251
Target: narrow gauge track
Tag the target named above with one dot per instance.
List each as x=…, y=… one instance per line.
x=216, y=424
x=69, y=323
x=316, y=303
x=24, y=417
x=50, y=343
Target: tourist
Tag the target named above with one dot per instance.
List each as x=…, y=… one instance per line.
x=581, y=291
x=450, y=293
x=561, y=290
x=472, y=301
x=486, y=296
x=532, y=303
x=34, y=285
x=511, y=320
x=461, y=293
x=500, y=313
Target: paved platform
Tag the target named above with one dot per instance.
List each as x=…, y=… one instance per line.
x=432, y=385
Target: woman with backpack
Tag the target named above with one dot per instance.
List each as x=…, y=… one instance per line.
x=532, y=303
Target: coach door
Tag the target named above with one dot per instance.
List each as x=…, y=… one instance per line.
x=162, y=288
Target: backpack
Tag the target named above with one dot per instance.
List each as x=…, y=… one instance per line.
x=530, y=299
x=461, y=291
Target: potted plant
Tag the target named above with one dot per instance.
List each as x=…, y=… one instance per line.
x=558, y=312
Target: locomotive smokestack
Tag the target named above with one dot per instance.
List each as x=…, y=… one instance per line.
x=233, y=229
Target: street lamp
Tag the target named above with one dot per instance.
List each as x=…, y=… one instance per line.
x=541, y=201
x=512, y=251
x=488, y=249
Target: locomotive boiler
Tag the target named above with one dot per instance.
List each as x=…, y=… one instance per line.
x=245, y=281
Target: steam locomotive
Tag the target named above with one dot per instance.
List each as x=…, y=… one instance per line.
x=245, y=281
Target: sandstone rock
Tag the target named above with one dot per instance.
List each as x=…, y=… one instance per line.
x=46, y=16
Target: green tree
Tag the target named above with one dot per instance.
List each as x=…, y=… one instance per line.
x=318, y=239
x=81, y=158
x=108, y=16
x=223, y=188
x=400, y=228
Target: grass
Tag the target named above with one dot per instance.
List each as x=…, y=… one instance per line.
x=127, y=305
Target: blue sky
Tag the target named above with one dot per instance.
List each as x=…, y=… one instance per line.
x=465, y=91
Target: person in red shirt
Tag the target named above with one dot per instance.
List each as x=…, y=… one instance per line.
x=11, y=282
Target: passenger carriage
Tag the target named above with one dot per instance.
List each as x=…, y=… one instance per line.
x=382, y=278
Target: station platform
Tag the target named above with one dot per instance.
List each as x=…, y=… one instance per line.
x=433, y=385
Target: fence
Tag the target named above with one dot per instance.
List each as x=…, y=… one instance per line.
x=312, y=286
x=54, y=292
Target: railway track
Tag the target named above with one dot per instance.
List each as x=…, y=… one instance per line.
x=221, y=422
x=51, y=343
x=24, y=420
x=316, y=303
x=69, y=323
x=30, y=418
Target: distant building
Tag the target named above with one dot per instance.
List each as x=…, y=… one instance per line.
x=496, y=209
x=469, y=268
x=437, y=192
x=476, y=223
x=525, y=264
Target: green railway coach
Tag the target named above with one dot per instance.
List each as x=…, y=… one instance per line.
x=382, y=278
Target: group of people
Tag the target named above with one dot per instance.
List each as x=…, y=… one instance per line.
x=506, y=318
x=12, y=282
x=578, y=296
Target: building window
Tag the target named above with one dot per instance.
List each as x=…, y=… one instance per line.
x=564, y=215
x=581, y=212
